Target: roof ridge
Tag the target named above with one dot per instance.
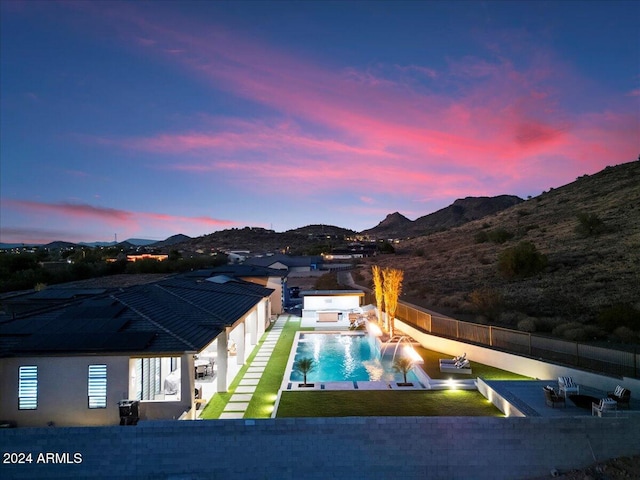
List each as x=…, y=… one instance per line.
x=161, y=327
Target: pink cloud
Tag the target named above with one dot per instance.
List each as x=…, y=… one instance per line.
x=129, y=221
x=491, y=118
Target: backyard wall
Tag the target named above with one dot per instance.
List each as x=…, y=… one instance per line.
x=320, y=448
x=515, y=363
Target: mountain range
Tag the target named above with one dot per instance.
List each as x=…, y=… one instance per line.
x=589, y=234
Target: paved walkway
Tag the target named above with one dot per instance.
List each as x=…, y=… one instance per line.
x=239, y=401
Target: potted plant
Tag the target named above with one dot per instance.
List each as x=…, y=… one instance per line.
x=304, y=366
x=403, y=365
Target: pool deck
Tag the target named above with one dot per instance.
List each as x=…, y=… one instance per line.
x=527, y=396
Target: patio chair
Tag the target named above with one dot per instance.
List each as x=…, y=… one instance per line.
x=551, y=398
x=201, y=371
x=454, y=360
x=567, y=386
x=621, y=395
x=606, y=405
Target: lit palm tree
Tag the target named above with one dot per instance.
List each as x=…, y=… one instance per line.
x=304, y=366
x=403, y=365
x=392, y=288
x=378, y=290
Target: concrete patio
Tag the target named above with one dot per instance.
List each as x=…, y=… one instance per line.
x=527, y=397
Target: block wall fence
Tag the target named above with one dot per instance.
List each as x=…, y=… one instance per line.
x=322, y=448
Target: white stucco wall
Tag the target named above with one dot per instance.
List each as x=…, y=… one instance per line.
x=515, y=363
x=62, y=392
x=331, y=302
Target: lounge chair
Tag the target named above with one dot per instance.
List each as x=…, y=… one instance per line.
x=552, y=399
x=453, y=360
x=606, y=405
x=621, y=395
x=566, y=386
x=463, y=366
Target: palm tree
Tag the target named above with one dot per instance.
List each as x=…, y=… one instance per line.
x=304, y=366
x=376, y=273
x=392, y=288
x=403, y=365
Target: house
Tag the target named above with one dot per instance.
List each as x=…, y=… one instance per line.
x=71, y=360
x=273, y=278
x=287, y=262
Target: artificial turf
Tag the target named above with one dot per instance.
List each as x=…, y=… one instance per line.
x=340, y=403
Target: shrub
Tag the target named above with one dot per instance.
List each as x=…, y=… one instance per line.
x=527, y=325
x=589, y=224
x=620, y=315
x=523, y=260
x=487, y=301
x=625, y=335
x=481, y=237
x=499, y=235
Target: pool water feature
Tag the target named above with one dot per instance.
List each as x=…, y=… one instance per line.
x=343, y=357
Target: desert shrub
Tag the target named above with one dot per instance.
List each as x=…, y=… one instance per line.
x=419, y=252
x=620, y=315
x=487, y=301
x=589, y=224
x=527, y=325
x=625, y=335
x=486, y=225
x=481, y=237
x=547, y=324
x=573, y=331
x=523, y=260
x=499, y=235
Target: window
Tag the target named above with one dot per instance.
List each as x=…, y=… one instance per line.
x=155, y=379
x=97, y=386
x=28, y=388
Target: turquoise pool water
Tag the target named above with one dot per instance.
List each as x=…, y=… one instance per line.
x=341, y=358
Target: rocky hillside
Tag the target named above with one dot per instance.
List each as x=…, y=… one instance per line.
x=461, y=211
x=589, y=231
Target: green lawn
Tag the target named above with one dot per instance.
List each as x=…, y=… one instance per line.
x=432, y=368
x=358, y=403
x=386, y=403
x=264, y=398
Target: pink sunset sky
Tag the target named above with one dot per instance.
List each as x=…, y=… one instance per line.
x=150, y=119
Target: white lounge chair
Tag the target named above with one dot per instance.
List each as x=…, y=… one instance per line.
x=463, y=366
x=606, y=405
x=566, y=386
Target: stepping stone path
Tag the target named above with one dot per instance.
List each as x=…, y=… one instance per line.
x=239, y=401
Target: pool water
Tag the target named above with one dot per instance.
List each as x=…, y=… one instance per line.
x=339, y=358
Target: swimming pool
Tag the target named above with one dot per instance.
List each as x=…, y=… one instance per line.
x=342, y=357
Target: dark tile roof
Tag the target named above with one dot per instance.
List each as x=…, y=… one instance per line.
x=175, y=315
x=288, y=260
x=246, y=270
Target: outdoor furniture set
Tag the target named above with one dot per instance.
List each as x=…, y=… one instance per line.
x=600, y=407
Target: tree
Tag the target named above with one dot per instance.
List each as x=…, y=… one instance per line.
x=403, y=365
x=304, y=366
x=377, y=288
x=589, y=224
x=523, y=260
x=392, y=278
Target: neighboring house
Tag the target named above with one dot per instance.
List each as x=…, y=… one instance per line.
x=70, y=358
x=136, y=257
x=273, y=278
x=287, y=262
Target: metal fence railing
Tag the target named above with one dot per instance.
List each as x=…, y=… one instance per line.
x=591, y=357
